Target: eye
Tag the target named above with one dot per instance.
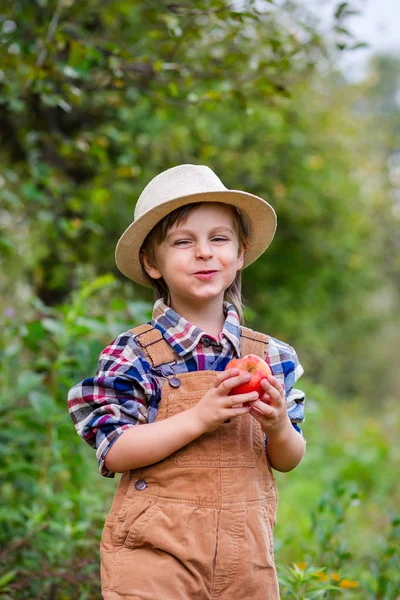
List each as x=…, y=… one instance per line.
x=220, y=238
x=181, y=242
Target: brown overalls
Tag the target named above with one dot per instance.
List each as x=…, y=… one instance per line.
x=197, y=525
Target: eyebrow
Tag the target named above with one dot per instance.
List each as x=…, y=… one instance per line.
x=214, y=230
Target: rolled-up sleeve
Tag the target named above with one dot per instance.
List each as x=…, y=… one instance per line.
x=286, y=367
x=122, y=394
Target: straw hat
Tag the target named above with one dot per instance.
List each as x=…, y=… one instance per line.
x=183, y=185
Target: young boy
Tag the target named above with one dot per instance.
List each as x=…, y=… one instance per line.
x=194, y=513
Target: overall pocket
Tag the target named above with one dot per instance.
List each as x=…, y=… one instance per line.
x=237, y=443
x=131, y=519
x=127, y=570
x=201, y=452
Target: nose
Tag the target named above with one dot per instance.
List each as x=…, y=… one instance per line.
x=203, y=250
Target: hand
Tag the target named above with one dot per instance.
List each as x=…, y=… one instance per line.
x=270, y=410
x=216, y=406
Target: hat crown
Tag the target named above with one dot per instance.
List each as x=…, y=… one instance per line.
x=177, y=182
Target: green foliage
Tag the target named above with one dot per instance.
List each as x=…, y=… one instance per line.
x=48, y=475
x=341, y=527
x=301, y=581
x=94, y=98
x=385, y=581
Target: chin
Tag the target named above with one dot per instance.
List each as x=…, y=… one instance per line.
x=207, y=295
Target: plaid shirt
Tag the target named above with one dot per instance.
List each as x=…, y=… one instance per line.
x=126, y=391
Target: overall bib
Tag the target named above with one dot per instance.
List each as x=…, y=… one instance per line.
x=197, y=525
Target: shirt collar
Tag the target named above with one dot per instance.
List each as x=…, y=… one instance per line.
x=183, y=336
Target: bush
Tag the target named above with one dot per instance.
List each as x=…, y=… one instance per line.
x=50, y=518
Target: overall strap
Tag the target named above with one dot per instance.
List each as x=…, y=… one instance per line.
x=154, y=346
x=253, y=342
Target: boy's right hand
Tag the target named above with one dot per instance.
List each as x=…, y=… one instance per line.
x=216, y=406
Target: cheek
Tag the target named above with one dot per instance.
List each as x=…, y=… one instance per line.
x=175, y=265
x=229, y=263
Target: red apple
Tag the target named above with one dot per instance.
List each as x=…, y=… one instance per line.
x=258, y=369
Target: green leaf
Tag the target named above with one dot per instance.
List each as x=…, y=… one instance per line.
x=27, y=381
x=43, y=404
x=340, y=10
x=7, y=578
x=53, y=326
x=35, y=333
x=6, y=247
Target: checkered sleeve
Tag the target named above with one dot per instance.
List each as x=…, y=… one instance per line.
x=286, y=367
x=122, y=394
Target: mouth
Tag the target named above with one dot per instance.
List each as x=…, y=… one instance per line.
x=205, y=275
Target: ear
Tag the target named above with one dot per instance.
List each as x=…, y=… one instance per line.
x=241, y=255
x=150, y=266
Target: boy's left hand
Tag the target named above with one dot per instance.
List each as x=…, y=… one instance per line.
x=270, y=410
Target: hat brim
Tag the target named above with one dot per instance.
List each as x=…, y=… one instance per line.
x=262, y=226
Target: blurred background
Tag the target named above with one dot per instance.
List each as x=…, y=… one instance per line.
x=296, y=101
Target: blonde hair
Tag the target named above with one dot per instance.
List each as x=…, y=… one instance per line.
x=233, y=294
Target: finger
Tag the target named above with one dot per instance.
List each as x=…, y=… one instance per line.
x=273, y=389
x=226, y=386
x=265, y=409
x=241, y=398
x=275, y=383
x=256, y=414
x=224, y=375
x=241, y=410
x=266, y=398
x=245, y=403
x=238, y=405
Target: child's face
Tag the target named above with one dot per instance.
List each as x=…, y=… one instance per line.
x=200, y=256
